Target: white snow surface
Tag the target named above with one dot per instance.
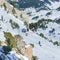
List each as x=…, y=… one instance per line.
x=47, y=51
x=54, y=5
x=51, y=36
x=42, y=13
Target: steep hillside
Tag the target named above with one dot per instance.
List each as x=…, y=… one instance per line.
x=47, y=9
x=9, y=27
x=45, y=40
x=43, y=49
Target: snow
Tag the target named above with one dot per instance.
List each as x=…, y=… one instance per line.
x=47, y=51
x=42, y=14
x=5, y=24
x=53, y=37
x=19, y=55
x=27, y=46
x=54, y=5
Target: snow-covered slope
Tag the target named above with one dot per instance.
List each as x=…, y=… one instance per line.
x=47, y=9
x=42, y=14
x=43, y=49
x=51, y=36
x=5, y=26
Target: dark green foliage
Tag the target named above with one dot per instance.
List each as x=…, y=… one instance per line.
x=39, y=43
x=6, y=49
x=4, y=6
x=10, y=20
x=14, y=24
x=32, y=45
x=2, y=18
x=35, y=17
x=53, y=30
x=56, y=43
x=29, y=13
x=58, y=21
x=34, y=58
x=41, y=34
x=0, y=27
x=33, y=25
x=40, y=24
x=21, y=16
x=12, y=3
x=10, y=39
x=25, y=23
x=51, y=41
x=48, y=13
x=13, y=11
x=16, y=16
x=58, y=9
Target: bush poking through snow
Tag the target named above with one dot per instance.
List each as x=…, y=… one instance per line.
x=39, y=43
x=4, y=6
x=58, y=21
x=12, y=3
x=13, y=11
x=34, y=58
x=21, y=16
x=42, y=35
x=8, y=42
x=16, y=16
x=56, y=43
x=10, y=39
x=40, y=24
x=32, y=45
x=2, y=18
x=25, y=23
x=14, y=24
x=51, y=41
x=0, y=27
